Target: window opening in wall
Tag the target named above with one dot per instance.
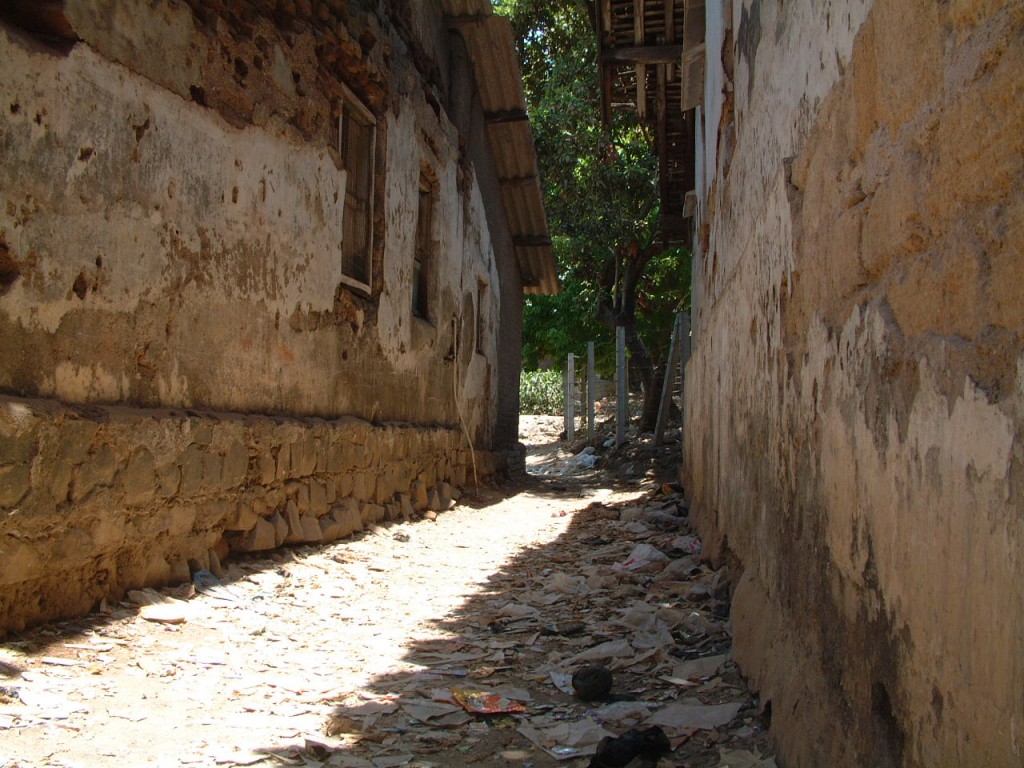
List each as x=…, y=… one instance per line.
x=481, y=316
x=423, y=256
x=356, y=138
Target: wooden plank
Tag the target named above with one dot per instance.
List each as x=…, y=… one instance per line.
x=644, y=54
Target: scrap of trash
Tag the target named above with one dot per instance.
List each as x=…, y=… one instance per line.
x=616, y=649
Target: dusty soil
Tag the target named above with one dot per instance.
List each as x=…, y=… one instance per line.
x=366, y=652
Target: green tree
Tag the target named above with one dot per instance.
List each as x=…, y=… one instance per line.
x=601, y=194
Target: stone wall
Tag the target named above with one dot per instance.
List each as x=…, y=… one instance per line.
x=99, y=500
x=855, y=397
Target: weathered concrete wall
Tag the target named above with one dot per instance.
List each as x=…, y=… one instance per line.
x=99, y=500
x=856, y=392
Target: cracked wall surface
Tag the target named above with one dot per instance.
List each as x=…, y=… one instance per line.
x=856, y=391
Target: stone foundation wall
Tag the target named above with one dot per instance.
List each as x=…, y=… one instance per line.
x=98, y=500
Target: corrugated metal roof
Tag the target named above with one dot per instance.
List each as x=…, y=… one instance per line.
x=491, y=47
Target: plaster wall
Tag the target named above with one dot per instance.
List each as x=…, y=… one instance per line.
x=174, y=178
x=856, y=390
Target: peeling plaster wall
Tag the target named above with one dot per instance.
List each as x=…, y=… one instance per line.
x=855, y=397
x=171, y=202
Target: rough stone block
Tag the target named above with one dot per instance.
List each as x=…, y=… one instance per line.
x=139, y=478
x=59, y=480
x=311, y=532
x=191, y=464
x=214, y=563
x=97, y=471
x=17, y=448
x=330, y=494
x=284, y=461
x=243, y=518
x=236, y=465
x=108, y=533
x=21, y=562
x=268, y=469
x=212, y=470
x=302, y=498
x=318, y=499
x=420, y=497
x=213, y=514
x=155, y=572
x=262, y=537
x=168, y=480
x=392, y=510
x=345, y=486
x=294, y=520
x=280, y=528
x=76, y=438
x=371, y=513
x=348, y=515
x=221, y=548
x=365, y=485
x=383, y=490
x=180, y=572
x=330, y=529
x=434, y=505
x=303, y=455
x=405, y=505
x=444, y=491
x=15, y=483
x=182, y=518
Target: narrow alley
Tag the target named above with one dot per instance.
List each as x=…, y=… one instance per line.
x=444, y=642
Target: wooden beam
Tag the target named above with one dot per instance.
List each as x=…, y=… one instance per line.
x=643, y=54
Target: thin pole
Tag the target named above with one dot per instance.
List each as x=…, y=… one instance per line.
x=591, y=388
x=570, y=398
x=621, y=385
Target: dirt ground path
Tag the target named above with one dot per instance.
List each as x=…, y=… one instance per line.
x=379, y=651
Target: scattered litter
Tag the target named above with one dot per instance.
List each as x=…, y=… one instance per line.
x=641, y=556
x=487, y=702
x=567, y=740
x=680, y=718
x=743, y=758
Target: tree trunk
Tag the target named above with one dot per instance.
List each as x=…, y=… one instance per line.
x=617, y=307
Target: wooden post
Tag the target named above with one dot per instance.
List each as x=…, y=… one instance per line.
x=591, y=388
x=684, y=356
x=675, y=347
x=570, y=398
x=621, y=386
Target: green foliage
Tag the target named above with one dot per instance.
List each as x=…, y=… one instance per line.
x=600, y=188
x=541, y=392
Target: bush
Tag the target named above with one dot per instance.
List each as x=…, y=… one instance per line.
x=540, y=392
